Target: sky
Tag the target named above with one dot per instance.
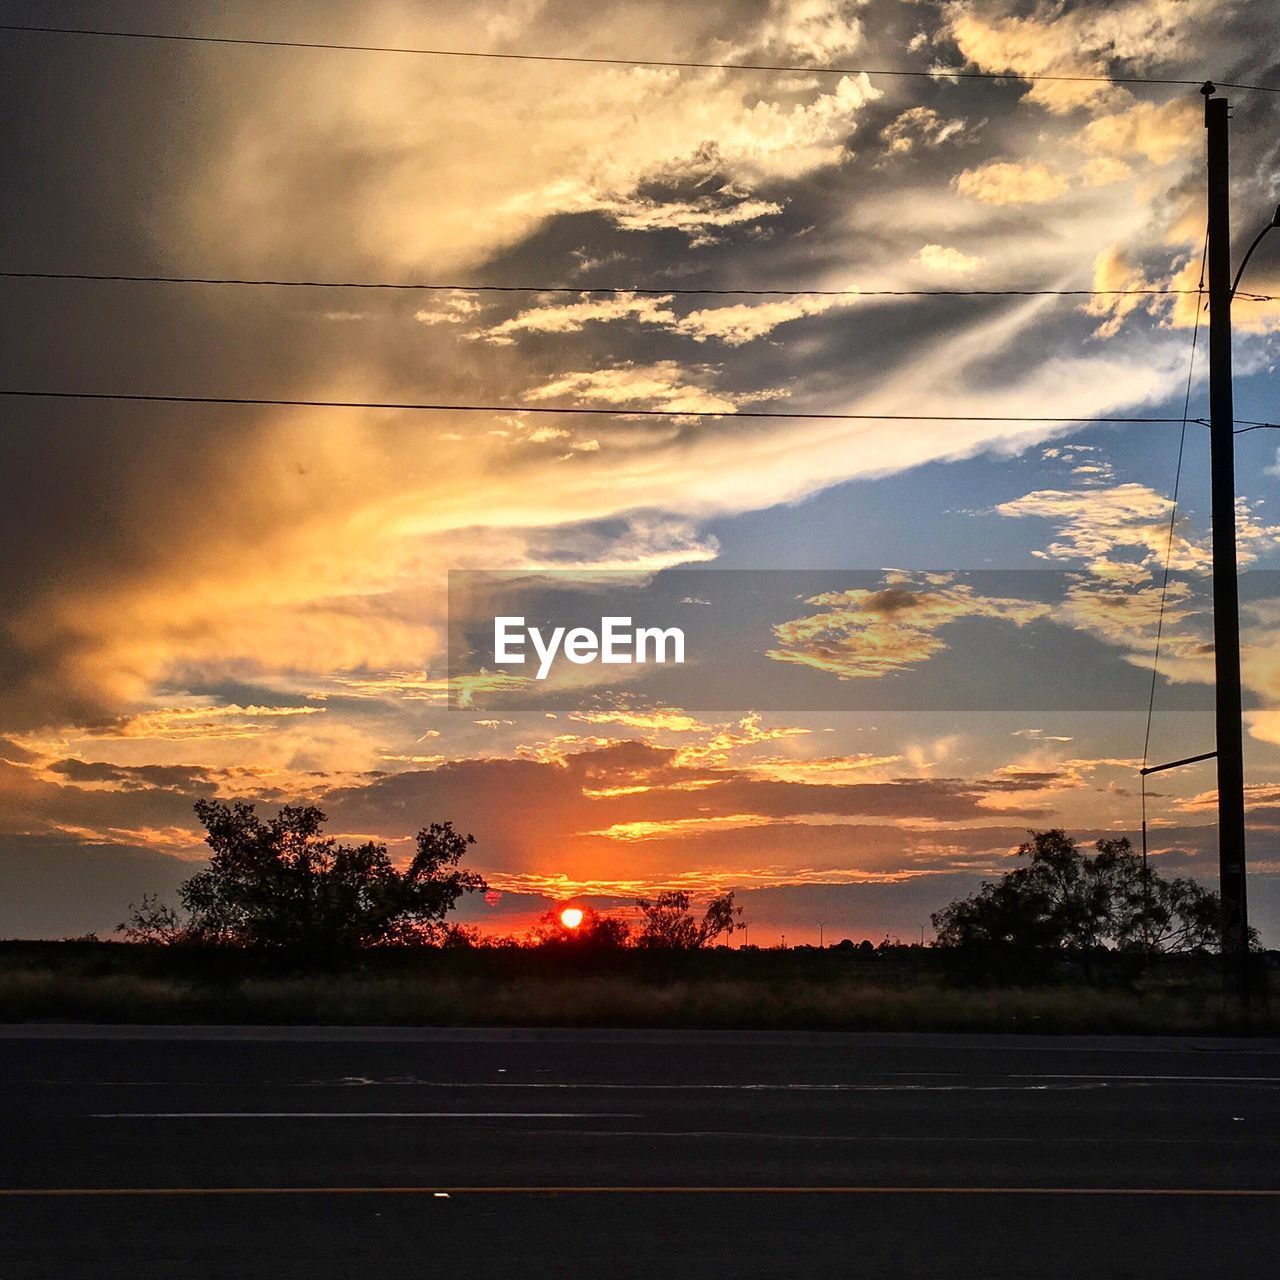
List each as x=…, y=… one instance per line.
x=915, y=640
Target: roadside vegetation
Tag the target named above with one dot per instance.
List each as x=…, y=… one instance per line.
x=895, y=990
x=286, y=925
x=1063, y=907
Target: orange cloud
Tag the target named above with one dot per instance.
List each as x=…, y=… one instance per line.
x=664, y=385
x=1158, y=132
x=999, y=36
x=733, y=325
x=948, y=260
x=865, y=634
x=1011, y=182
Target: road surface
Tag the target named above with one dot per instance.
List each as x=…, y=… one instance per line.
x=318, y=1153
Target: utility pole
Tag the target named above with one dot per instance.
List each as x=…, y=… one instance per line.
x=1226, y=598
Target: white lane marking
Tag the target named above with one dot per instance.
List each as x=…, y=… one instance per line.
x=362, y=1115
x=1052, y=1082
x=401, y=1082
x=862, y=1139
x=1100, y=1075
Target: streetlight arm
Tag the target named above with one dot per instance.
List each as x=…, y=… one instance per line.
x=1257, y=240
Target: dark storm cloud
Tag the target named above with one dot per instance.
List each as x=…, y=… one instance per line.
x=523, y=810
x=137, y=777
x=119, y=155
x=54, y=887
x=114, y=800
x=103, y=145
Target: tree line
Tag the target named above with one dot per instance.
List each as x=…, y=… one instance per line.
x=1065, y=904
x=281, y=883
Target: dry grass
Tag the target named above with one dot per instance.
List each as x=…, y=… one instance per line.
x=853, y=1003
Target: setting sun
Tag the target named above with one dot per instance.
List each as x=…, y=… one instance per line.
x=571, y=917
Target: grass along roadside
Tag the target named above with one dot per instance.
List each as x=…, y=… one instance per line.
x=610, y=1000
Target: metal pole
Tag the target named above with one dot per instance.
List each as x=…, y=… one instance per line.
x=1226, y=602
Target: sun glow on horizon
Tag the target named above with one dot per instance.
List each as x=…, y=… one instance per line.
x=571, y=917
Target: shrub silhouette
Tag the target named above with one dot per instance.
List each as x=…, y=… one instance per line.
x=281, y=883
x=669, y=925
x=1066, y=903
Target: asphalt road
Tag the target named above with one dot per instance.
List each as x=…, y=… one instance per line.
x=235, y=1152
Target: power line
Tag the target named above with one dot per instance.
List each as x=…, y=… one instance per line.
x=616, y=412
x=637, y=290
x=1168, y=553
x=1255, y=426
x=932, y=73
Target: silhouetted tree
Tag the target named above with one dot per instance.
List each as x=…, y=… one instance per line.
x=1152, y=914
x=669, y=925
x=1065, y=902
x=596, y=932
x=154, y=922
x=281, y=883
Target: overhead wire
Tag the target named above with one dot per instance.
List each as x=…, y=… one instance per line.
x=931, y=73
x=636, y=290
x=1168, y=554
x=617, y=411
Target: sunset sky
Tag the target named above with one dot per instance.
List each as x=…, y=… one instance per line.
x=252, y=602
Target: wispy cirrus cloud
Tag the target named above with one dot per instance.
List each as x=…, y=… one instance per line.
x=1121, y=535
x=659, y=719
x=665, y=384
x=745, y=322
x=1092, y=523
x=734, y=325
x=457, y=307
x=573, y=317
